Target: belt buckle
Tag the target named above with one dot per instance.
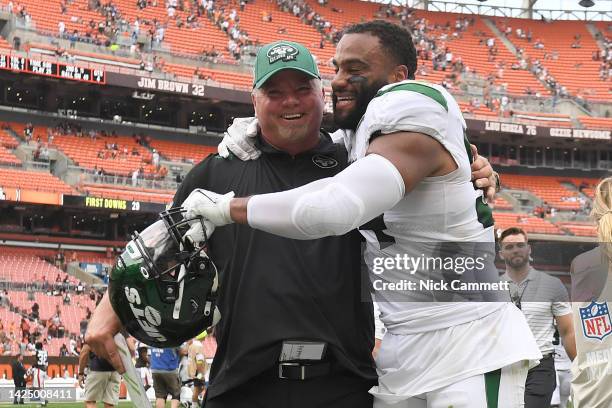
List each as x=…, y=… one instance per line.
x=280, y=370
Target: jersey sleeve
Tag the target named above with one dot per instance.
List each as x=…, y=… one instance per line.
x=408, y=111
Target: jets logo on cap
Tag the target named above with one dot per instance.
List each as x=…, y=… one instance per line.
x=282, y=52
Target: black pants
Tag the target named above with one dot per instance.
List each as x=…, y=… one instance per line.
x=19, y=393
x=339, y=389
x=541, y=384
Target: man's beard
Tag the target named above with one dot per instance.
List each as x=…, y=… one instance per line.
x=518, y=263
x=362, y=98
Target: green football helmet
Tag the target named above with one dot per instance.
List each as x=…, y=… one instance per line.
x=163, y=286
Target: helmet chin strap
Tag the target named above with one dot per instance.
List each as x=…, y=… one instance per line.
x=179, y=300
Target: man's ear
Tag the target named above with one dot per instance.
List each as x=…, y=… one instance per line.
x=399, y=73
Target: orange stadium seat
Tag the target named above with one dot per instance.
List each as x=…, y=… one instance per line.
x=590, y=122
x=529, y=223
x=178, y=151
x=548, y=189
x=6, y=157
x=7, y=140
x=573, y=67
x=579, y=229
x=33, y=180
x=4, y=45
x=84, y=151
x=543, y=119
x=71, y=315
x=129, y=193
x=501, y=203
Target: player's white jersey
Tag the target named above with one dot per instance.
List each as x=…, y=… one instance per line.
x=438, y=210
x=443, y=209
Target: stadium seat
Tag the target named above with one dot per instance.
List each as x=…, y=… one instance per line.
x=33, y=180
x=529, y=223
x=548, y=189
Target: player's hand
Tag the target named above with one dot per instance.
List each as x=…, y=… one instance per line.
x=81, y=381
x=103, y=326
x=212, y=206
x=483, y=175
x=199, y=232
x=239, y=139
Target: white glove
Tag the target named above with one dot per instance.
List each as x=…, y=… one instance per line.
x=343, y=136
x=212, y=206
x=196, y=233
x=240, y=139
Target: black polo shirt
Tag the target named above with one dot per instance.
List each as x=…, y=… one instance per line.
x=274, y=288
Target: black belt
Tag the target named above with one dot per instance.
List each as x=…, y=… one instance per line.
x=303, y=371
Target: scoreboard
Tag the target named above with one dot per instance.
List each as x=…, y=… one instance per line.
x=53, y=69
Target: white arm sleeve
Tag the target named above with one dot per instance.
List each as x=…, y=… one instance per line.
x=330, y=206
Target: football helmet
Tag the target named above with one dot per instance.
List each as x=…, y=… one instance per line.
x=163, y=286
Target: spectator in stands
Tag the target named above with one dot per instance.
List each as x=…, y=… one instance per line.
x=63, y=351
x=25, y=327
x=6, y=344
x=155, y=159
x=543, y=300
x=35, y=314
x=135, y=176
x=4, y=299
x=51, y=330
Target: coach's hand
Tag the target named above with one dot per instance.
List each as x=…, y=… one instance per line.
x=212, y=206
x=483, y=175
x=239, y=139
x=102, y=327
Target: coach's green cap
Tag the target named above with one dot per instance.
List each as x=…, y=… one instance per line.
x=280, y=55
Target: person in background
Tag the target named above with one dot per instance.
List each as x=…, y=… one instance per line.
x=164, y=366
x=19, y=379
x=544, y=301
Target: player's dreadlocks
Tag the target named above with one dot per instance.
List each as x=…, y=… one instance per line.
x=395, y=40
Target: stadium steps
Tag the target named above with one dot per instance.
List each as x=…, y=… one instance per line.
x=574, y=68
x=509, y=45
x=8, y=137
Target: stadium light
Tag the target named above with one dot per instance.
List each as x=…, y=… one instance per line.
x=586, y=3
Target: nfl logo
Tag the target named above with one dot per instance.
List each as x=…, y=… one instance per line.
x=596, y=322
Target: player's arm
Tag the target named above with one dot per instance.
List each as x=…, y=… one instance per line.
x=239, y=139
x=395, y=163
x=103, y=326
x=83, y=360
x=565, y=326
